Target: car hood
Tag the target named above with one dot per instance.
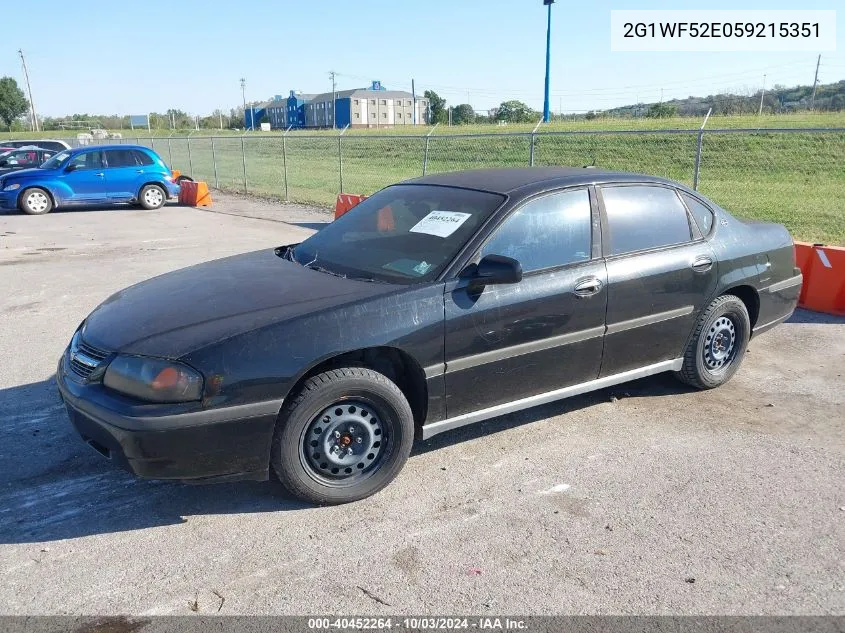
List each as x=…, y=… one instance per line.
x=182, y=311
x=32, y=171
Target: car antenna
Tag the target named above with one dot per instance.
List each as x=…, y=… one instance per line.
x=591, y=165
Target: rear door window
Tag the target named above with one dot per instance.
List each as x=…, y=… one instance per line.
x=642, y=217
x=121, y=158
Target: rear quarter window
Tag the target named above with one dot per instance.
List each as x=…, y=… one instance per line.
x=642, y=217
x=703, y=216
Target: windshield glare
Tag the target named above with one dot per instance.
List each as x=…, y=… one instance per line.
x=402, y=234
x=56, y=161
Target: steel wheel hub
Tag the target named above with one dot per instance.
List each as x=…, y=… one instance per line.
x=346, y=439
x=719, y=344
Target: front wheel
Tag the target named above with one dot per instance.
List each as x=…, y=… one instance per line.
x=35, y=201
x=718, y=344
x=152, y=197
x=343, y=437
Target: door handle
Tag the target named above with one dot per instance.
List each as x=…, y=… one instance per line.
x=588, y=286
x=139, y=171
x=702, y=264
x=99, y=174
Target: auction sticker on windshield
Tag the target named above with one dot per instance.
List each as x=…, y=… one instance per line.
x=440, y=223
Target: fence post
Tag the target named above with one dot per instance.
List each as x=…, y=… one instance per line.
x=698, y=152
x=170, y=152
x=425, y=155
x=531, y=150
x=190, y=159
x=243, y=155
x=340, y=155
x=214, y=162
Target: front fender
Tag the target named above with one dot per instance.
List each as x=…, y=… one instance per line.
x=58, y=190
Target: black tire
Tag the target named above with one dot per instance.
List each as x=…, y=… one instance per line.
x=349, y=391
x=35, y=201
x=718, y=344
x=152, y=197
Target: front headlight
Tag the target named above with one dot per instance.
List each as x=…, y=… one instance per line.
x=12, y=187
x=153, y=379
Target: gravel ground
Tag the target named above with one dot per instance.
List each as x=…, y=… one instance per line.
x=645, y=498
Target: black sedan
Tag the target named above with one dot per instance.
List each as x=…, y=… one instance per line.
x=435, y=303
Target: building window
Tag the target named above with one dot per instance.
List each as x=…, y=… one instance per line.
x=398, y=115
x=384, y=102
x=372, y=101
x=384, y=115
x=373, y=115
x=356, y=101
x=357, y=115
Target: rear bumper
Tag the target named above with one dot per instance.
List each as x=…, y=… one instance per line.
x=777, y=303
x=216, y=445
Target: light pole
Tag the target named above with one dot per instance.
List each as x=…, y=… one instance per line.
x=243, y=95
x=546, y=113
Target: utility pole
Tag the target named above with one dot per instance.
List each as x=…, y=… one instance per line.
x=243, y=95
x=661, y=95
x=815, y=84
x=33, y=116
x=334, y=100
x=762, y=94
x=546, y=114
x=414, y=101
x=220, y=112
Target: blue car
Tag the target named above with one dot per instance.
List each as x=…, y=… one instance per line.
x=90, y=175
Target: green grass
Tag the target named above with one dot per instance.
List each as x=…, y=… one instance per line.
x=796, y=178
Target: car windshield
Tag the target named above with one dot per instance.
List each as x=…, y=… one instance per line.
x=57, y=160
x=402, y=234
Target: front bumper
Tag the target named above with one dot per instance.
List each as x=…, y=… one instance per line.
x=165, y=441
x=9, y=199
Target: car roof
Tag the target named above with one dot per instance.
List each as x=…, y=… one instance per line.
x=510, y=180
x=114, y=146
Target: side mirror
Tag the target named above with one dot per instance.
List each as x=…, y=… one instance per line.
x=496, y=269
x=71, y=167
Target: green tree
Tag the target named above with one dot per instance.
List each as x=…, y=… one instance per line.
x=13, y=103
x=516, y=112
x=660, y=111
x=463, y=114
x=437, y=105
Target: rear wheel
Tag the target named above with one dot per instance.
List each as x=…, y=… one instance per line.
x=35, y=201
x=343, y=437
x=718, y=344
x=152, y=197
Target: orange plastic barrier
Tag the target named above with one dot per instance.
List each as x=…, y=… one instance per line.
x=803, y=259
x=824, y=278
x=176, y=173
x=194, y=194
x=346, y=201
x=385, y=221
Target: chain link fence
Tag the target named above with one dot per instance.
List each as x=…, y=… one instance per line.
x=792, y=176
